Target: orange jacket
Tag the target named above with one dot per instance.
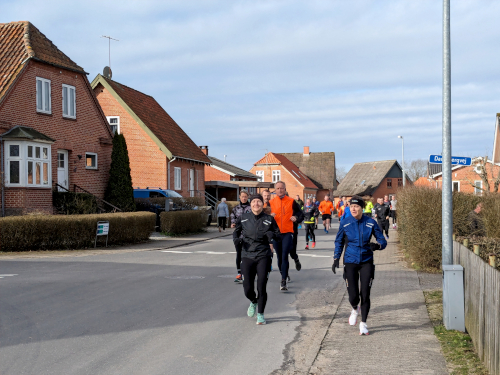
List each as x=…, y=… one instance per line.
x=326, y=207
x=283, y=208
x=341, y=210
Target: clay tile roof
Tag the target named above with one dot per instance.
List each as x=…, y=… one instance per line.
x=272, y=158
x=269, y=158
x=22, y=40
x=231, y=169
x=159, y=122
x=318, y=166
x=364, y=178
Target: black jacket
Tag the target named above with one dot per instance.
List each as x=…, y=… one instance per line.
x=381, y=211
x=310, y=213
x=257, y=232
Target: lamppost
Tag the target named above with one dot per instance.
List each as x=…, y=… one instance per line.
x=403, y=166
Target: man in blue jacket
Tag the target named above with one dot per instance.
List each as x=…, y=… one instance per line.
x=357, y=231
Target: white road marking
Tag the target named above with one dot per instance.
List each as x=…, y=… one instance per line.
x=7, y=275
x=230, y=252
x=176, y=252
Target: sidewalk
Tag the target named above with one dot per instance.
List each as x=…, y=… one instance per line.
x=401, y=339
x=157, y=242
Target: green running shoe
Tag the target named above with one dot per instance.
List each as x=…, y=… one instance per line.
x=251, y=309
x=260, y=319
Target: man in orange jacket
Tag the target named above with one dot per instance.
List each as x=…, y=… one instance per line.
x=325, y=209
x=285, y=212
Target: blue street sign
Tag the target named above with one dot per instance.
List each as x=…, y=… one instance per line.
x=455, y=160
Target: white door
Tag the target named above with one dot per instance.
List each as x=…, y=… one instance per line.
x=62, y=169
x=191, y=182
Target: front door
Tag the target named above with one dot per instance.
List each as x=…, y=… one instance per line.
x=191, y=182
x=62, y=169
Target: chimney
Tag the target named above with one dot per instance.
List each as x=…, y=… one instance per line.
x=204, y=149
x=306, y=150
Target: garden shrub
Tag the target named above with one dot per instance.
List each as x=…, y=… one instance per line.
x=178, y=222
x=56, y=232
x=69, y=203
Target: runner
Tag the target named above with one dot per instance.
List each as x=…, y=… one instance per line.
x=266, y=195
x=340, y=206
x=358, y=259
x=239, y=210
x=316, y=204
x=382, y=212
x=347, y=211
x=393, y=211
x=310, y=215
x=286, y=212
x=368, y=206
x=326, y=209
x=254, y=232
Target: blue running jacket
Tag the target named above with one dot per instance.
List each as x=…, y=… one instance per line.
x=357, y=233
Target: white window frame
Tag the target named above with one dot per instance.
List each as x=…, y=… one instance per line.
x=476, y=190
x=276, y=175
x=117, y=124
x=177, y=178
x=43, y=95
x=91, y=154
x=260, y=175
x=455, y=182
x=24, y=159
x=66, y=101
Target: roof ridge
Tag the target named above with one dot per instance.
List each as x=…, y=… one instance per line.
x=27, y=38
x=378, y=161
x=130, y=88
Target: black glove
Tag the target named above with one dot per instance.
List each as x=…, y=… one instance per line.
x=335, y=265
x=270, y=236
x=374, y=246
x=237, y=241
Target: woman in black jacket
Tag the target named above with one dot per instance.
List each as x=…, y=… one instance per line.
x=255, y=231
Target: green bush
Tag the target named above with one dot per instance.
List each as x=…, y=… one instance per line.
x=52, y=232
x=69, y=203
x=179, y=222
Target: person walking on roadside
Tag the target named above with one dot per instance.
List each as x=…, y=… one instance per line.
x=222, y=214
x=286, y=212
x=393, y=211
x=359, y=269
x=240, y=209
x=326, y=208
x=475, y=221
x=368, y=206
x=310, y=215
x=315, y=202
x=382, y=213
x=254, y=232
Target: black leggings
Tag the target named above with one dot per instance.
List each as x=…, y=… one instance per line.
x=394, y=216
x=238, y=257
x=222, y=222
x=384, y=226
x=310, y=233
x=250, y=268
x=353, y=275
x=283, y=248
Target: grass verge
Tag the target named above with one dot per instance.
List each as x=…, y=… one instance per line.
x=457, y=347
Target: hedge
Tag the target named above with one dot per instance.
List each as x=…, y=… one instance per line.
x=56, y=232
x=420, y=227
x=179, y=222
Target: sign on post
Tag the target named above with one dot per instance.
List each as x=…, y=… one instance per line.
x=102, y=230
x=455, y=160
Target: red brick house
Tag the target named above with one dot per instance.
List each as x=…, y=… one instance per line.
x=276, y=167
x=375, y=179
x=161, y=154
x=52, y=128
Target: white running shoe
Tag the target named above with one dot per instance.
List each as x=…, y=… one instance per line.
x=353, y=319
x=363, y=329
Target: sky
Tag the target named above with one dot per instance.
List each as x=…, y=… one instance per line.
x=244, y=77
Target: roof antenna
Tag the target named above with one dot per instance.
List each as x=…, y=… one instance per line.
x=225, y=158
x=109, y=55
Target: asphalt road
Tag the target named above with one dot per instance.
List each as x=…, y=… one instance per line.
x=175, y=312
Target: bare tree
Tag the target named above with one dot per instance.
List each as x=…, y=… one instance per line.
x=341, y=173
x=486, y=176
x=416, y=168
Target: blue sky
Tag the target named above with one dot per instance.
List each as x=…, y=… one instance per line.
x=246, y=76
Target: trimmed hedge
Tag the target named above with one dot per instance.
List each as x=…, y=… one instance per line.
x=179, y=222
x=56, y=232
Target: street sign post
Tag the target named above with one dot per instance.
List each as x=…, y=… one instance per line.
x=102, y=230
x=455, y=160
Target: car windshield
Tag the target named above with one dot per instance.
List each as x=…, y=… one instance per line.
x=173, y=194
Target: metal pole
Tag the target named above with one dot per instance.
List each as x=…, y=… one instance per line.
x=447, y=209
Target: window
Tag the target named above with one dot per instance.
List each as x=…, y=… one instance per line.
x=90, y=160
x=400, y=182
x=43, y=101
x=260, y=175
x=28, y=164
x=389, y=183
x=455, y=186
x=68, y=101
x=478, y=187
x=276, y=176
x=114, y=122
x=177, y=179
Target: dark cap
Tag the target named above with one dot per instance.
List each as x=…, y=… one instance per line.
x=256, y=196
x=358, y=200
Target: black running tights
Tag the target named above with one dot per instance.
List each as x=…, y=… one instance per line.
x=238, y=257
x=250, y=268
x=354, y=275
x=310, y=233
x=384, y=226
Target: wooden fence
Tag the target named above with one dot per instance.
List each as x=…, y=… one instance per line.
x=482, y=305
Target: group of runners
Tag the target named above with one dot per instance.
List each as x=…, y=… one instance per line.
x=263, y=225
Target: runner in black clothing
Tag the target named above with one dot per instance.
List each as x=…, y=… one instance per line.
x=382, y=212
x=254, y=232
x=311, y=213
x=239, y=210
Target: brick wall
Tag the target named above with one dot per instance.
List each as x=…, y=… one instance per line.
x=78, y=135
x=383, y=189
x=466, y=177
x=186, y=165
x=212, y=174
